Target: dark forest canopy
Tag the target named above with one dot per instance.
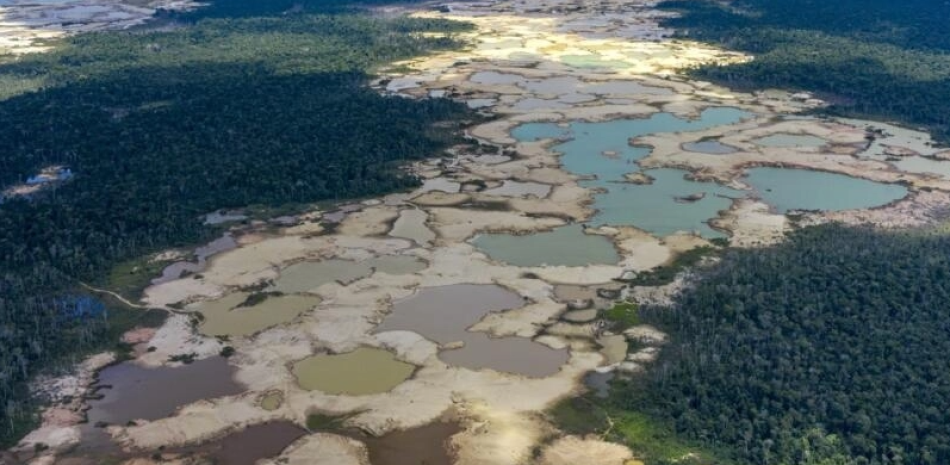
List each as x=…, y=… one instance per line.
x=874, y=58
x=835, y=342
x=159, y=128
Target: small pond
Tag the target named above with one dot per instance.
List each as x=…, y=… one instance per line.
x=564, y=246
x=797, y=189
x=443, y=315
x=360, y=372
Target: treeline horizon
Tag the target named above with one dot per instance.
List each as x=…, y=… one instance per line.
x=873, y=59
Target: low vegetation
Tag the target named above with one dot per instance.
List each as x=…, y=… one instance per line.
x=325, y=423
x=666, y=274
x=258, y=298
x=652, y=441
x=623, y=315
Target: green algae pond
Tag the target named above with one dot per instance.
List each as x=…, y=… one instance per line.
x=309, y=275
x=360, y=372
x=227, y=317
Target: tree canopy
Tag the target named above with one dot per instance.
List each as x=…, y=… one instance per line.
x=871, y=58
x=160, y=127
x=832, y=345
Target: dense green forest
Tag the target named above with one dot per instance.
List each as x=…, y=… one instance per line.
x=830, y=349
x=872, y=58
x=160, y=127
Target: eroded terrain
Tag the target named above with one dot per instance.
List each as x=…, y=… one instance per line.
x=603, y=163
x=27, y=26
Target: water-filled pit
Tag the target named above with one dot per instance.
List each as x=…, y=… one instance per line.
x=796, y=189
x=443, y=314
x=360, y=372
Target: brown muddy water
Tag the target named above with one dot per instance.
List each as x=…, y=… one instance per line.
x=428, y=445
x=508, y=354
x=131, y=392
x=360, y=372
x=443, y=315
x=247, y=446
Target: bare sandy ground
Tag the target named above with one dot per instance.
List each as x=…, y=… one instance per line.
x=529, y=61
x=26, y=24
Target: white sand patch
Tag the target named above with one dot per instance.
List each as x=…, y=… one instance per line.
x=177, y=337
x=322, y=449
x=573, y=450
x=457, y=225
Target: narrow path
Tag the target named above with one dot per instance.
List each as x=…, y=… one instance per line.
x=115, y=295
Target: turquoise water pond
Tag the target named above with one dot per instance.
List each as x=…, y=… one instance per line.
x=796, y=189
x=671, y=202
x=651, y=207
x=593, y=61
x=564, y=246
x=583, y=154
x=660, y=208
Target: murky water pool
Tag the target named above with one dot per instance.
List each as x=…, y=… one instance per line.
x=139, y=393
x=249, y=445
x=564, y=246
x=443, y=315
x=360, y=372
x=429, y=445
x=228, y=316
x=790, y=140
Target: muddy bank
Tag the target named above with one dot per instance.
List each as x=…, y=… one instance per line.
x=247, y=446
